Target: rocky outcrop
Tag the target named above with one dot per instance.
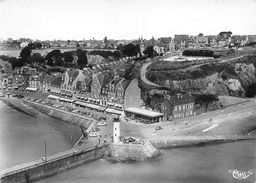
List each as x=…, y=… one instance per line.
x=135, y=152
x=214, y=84
x=246, y=73
x=234, y=85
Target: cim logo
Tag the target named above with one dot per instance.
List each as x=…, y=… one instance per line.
x=241, y=174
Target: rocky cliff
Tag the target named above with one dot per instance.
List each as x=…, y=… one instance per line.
x=237, y=78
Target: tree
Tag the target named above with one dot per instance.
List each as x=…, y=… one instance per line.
x=130, y=50
x=54, y=58
x=105, y=40
x=37, y=58
x=38, y=45
x=16, y=62
x=13, y=61
x=31, y=45
x=120, y=47
x=225, y=34
x=68, y=56
x=82, y=58
x=25, y=54
x=150, y=52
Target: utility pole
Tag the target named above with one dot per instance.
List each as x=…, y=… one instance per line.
x=71, y=139
x=45, y=152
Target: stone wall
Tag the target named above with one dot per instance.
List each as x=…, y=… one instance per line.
x=73, y=119
x=184, y=141
x=19, y=106
x=55, y=166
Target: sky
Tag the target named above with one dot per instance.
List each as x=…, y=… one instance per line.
x=123, y=19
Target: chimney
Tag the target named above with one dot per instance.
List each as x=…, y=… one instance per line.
x=116, y=76
x=179, y=95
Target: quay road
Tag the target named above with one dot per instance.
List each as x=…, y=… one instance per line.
x=143, y=75
x=104, y=131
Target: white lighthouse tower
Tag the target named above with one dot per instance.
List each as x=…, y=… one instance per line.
x=116, y=130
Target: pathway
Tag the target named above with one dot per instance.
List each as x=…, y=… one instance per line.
x=143, y=75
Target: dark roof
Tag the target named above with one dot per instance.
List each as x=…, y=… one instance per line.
x=125, y=83
x=48, y=78
x=74, y=75
x=57, y=81
x=106, y=79
x=180, y=38
x=87, y=80
x=165, y=39
x=100, y=77
x=115, y=81
x=179, y=100
x=71, y=72
x=88, y=71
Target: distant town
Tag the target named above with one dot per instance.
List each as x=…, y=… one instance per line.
x=161, y=45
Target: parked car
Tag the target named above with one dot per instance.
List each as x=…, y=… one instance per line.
x=129, y=140
x=158, y=128
x=76, y=111
x=19, y=96
x=33, y=99
x=39, y=100
x=94, y=134
x=102, y=123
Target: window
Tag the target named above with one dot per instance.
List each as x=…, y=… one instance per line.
x=164, y=108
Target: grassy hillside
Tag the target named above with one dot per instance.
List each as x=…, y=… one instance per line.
x=160, y=71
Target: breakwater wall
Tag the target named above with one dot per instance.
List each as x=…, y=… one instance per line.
x=71, y=118
x=19, y=106
x=185, y=141
x=40, y=169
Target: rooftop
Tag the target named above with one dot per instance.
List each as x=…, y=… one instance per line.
x=180, y=99
x=144, y=112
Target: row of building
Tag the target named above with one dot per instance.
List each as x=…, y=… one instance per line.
x=182, y=41
x=99, y=89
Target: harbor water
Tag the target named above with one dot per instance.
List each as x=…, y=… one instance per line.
x=22, y=137
x=204, y=164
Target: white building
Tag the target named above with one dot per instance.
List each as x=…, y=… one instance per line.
x=116, y=130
